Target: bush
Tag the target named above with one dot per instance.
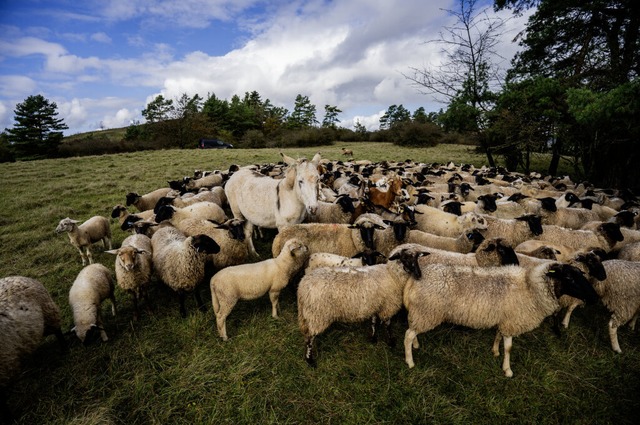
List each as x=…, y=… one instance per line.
x=416, y=134
x=253, y=139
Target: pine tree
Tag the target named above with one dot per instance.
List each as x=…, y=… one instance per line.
x=37, y=132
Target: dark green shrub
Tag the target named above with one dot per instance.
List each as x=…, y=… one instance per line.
x=416, y=134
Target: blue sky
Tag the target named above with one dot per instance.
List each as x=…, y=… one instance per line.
x=102, y=61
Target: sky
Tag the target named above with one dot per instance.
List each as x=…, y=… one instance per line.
x=103, y=61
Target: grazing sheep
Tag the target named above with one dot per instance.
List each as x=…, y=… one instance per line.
x=179, y=261
x=134, y=266
x=27, y=314
x=147, y=201
x=347, y=294
x=82, y=236
x=620, y=293
x=252, y=280
x=93, y=284
x=347, y=152
x=436, y=221
x=512, y=298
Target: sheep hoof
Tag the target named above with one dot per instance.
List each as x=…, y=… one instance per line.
x=411, y=365
x=508, y=373
x=311, y=362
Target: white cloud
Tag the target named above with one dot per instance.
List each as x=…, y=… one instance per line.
x=122, y=118
x=101, y=37
x=16, y=86
x=6, y=120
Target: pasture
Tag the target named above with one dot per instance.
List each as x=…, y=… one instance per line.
x=166, y=370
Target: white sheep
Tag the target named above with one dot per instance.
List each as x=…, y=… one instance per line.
x=341, y=239
x=513, y=231
x=134, y=267
x=179, y=261
x=434, y=220
x=325, y=259
x=490, y=253
x=604, y=236
x=620, y=293
x=347, y=294
x=201, y=210
x=93, y=284
x=27, y=314
x=253, y=280
x=82, y=236
x=630, y=252
x=512, y=298
x=147, y=201
x=208, y=181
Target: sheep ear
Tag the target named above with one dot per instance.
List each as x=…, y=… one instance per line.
x=112, y=251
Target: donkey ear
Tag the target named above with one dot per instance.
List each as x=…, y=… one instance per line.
x=290, y=178
x=316, y=159
x=287, y=159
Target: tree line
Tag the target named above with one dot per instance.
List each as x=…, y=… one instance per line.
x=571, y=91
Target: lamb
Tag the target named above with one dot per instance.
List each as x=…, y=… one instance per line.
x=93, y=284
x=28, y=314
x=434, y=220
x=134, y=266
x=327, y=295
x=347, y=152
x=179, y=261
x=83, y=235
x=147, y=201
x=252, y=280
x=202, y=210
x=512, y=298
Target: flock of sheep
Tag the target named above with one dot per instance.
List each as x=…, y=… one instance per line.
x=482, y=248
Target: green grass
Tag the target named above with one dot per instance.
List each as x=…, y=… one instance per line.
x=166, y=370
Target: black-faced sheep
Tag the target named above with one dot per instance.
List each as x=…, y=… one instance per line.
x=512, y=298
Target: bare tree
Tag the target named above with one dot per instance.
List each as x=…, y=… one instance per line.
x=470, y=69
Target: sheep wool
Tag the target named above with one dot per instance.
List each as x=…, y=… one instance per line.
x=252, y=280
x=512, y=298
x=93, y=285
x=28, y=314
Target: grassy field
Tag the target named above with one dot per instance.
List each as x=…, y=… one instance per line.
x=167, y=370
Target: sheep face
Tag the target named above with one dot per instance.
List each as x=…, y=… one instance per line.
x=66, y=225
x=408, y=257
x=204, y=244
x=569, y=280
x=476, y=237
x=165, y=212
x=488, y=202
x=611, y=231
x=534, y=222
x=594, y=265
x=127, y=256
x=117, y=210
x=548, y=204
x=132, y=198
x=505, y=252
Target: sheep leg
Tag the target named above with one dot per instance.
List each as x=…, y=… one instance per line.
x=567, y=315
x=632, y=323
x=183, y=310
x=89, y=256
x=496, y=344
x=82, y=256
x=221, y=324
x=112, y=297
x=506, y=362
x=106, y=241
x=409, y=337
x=136, y=311
x=248, y=233
x=613, y=336
x=309, y=349
x=374, y=328
x=273, y=296
x=199, y=302
x=391, y=341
